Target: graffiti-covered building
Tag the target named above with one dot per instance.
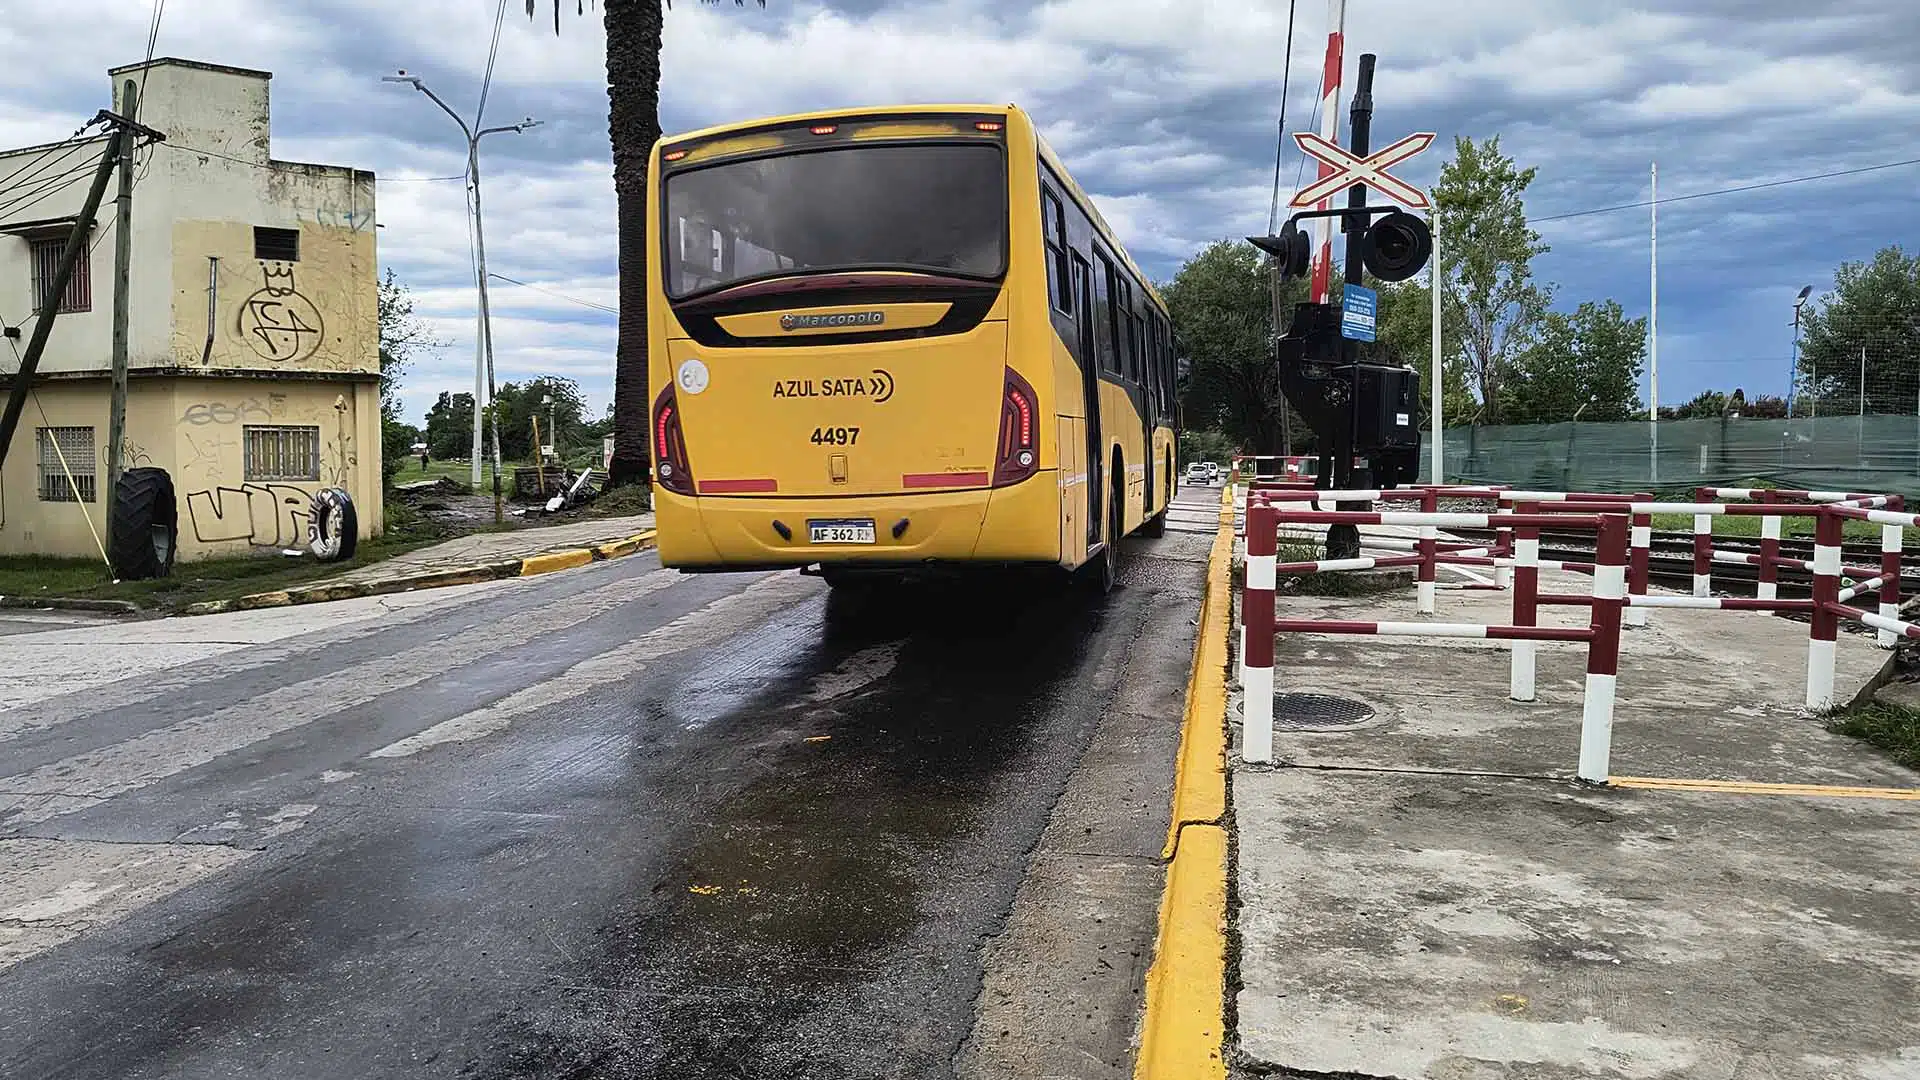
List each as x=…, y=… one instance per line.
x=253, y=330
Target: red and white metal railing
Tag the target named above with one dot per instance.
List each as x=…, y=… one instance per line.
x=1602, y=634
x=1623, y=527
x=1769, y=562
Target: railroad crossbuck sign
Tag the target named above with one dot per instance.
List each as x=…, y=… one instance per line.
x=1371, y=170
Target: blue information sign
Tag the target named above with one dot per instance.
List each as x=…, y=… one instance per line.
x=1357, y=313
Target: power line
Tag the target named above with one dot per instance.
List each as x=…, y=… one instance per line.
x=1280, y=144
x=1730, y=190
x=493, y=52
x=46, y=187
x=555, y=295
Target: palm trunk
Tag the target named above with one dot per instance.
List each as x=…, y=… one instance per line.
x=633, y=98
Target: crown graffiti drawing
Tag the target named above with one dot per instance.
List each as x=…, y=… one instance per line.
x=278, y=278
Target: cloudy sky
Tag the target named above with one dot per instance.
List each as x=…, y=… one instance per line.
x=1164, y=110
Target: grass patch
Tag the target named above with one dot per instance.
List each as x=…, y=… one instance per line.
x=1893, y=728
x=1334, y=582
x=31, y=576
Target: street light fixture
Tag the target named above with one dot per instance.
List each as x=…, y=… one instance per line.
x=483, y=345
x=1793, y=376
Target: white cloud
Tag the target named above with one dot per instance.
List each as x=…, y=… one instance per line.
x=1163, y=109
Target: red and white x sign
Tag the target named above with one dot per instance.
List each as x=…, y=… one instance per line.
x=1371, y=170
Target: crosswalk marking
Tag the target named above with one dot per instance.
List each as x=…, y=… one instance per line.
x=698, y=628
x=86, y=779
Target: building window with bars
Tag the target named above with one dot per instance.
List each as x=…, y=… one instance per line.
x=45, y=256
x=66, y=464
x=276, y=245
x=281, y=452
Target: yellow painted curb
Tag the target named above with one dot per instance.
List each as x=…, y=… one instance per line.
x=1200, y=783
x=1747, y=787
x=558, y=560
x=1183, y=1036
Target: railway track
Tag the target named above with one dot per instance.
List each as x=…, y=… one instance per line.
x=1670, y=558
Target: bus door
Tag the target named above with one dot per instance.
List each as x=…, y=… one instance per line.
x=1090, y=393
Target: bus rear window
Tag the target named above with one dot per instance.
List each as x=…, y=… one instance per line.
x=936, y=207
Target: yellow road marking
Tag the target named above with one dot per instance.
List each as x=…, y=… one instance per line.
x=1749, y=787
x=1183, y=1034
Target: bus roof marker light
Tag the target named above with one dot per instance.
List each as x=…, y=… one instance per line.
x=673, y=155
x=824, y=129
x=988, y=125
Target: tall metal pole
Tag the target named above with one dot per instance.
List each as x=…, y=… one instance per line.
x=480, y=321
x=122, y=278
x=56, y=288
x=1793, y=372
x=1330, y=131
x=1435, y=284
x=1653, y=322
x=486, y=327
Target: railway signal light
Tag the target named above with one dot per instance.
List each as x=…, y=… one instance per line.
x=1291, y=249
x=1397, y=246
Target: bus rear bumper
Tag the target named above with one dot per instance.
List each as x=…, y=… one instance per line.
x=1013, y=524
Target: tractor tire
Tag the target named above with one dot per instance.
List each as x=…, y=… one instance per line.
x=145, y=530
x=333, y=527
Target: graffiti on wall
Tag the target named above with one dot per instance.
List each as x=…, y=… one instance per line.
x=265, y=515
x=202, y=413
x=277, y=322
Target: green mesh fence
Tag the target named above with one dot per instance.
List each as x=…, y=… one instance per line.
x=1843, y=453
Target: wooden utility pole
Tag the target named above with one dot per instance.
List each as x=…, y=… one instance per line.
x=122, y=266
x=57, y=288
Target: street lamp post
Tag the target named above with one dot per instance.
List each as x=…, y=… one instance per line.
x=483, y=345
x=1793, y=376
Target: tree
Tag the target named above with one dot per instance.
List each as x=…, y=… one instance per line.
x=449, y=426
x=1222, y=316
x=519, y=403
x=1583, y=365
x=633, y=126
x=402, y=337
x=1873, y=311
x=1487, y=251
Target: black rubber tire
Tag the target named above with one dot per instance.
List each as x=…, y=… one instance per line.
x=145, y=530
x=1108, y=574
x=333, y=529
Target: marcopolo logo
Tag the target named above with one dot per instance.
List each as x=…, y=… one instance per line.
x=834, y=320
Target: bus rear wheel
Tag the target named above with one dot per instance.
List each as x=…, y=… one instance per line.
x=1107, y=574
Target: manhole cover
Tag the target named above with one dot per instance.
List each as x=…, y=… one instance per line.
x=1318, y=712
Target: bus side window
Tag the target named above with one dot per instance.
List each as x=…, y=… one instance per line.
x=1059, y=273
x=1105, y=329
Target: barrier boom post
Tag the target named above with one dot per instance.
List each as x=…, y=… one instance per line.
x=1256, y=616
x=1603, y=651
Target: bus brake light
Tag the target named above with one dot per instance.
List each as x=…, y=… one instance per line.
x=1018, y=455
x=670, y=445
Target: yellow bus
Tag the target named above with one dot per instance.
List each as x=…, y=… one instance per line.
x=897, y=338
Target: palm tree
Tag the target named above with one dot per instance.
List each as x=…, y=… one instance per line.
x=633, y=126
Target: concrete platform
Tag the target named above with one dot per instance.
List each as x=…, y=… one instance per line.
x=1429, y=896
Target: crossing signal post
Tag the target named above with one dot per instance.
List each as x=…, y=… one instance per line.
x=1364, y=413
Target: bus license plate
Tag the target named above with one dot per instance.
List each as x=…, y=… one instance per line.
x=840, y=532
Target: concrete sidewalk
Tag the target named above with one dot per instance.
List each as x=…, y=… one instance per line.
x=482, y=549
x=1426, y=894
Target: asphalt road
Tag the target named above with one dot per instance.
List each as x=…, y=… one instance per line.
x=614, y=822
